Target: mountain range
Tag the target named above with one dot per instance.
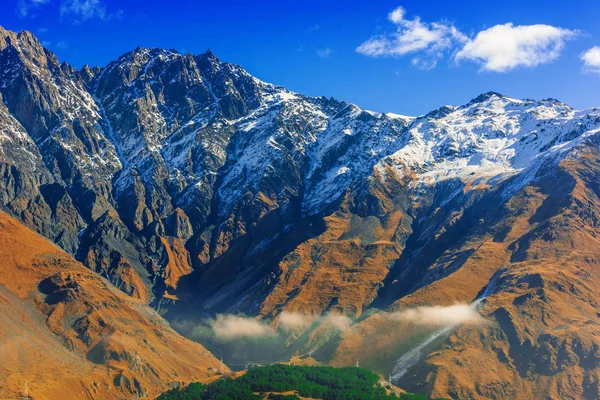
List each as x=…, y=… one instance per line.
x=199, y=190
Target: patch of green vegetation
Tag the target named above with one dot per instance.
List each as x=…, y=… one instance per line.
x=326, y=383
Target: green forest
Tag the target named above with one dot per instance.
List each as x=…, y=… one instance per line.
x=326, y=383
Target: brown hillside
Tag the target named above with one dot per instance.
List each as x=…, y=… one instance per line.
x=543, y=338
x=67, y=333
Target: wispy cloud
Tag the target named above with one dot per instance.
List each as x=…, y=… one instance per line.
x=315, y=27
x=24, y=7
x=291, y=321
x=62, y=45
x=324, y=53
x=42, y=30
x=438, y=316
x=339, y=322
x=591, y=60
x=82, y=10
x=413, y=36
x=230, y=327
x=502, y=48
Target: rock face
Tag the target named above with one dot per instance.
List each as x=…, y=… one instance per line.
x=199, y=189
x=66, y=332
x=537, y=252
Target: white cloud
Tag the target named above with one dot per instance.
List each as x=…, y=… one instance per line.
x=338, y=321
x=591, y=60
x=502, y=48
x=229, y=327
x=292, y=320
x=62, y=45
x=226, y=327
x=24, y=7
x=397, y=16
x=324, y=53
x=413, y=36
x=439, y=316
x=83, y=10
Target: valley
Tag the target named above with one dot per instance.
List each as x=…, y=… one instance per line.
x=199, y=214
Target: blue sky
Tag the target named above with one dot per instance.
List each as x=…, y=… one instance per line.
x=406, y=57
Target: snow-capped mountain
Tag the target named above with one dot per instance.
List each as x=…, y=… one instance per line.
x=158, y=136
x=198, y=188
x=491, y=138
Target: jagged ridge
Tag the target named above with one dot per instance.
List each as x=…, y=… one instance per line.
x=198, y=188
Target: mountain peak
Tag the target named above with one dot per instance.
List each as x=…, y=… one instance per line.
x=6, y=33
x=144, y=51
x=209, y=54
x=440, y=112
x=210, y=57
x=16, y=39
x=486, y=96
x=27, y=48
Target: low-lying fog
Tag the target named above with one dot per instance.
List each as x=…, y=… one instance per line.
x=241, y=339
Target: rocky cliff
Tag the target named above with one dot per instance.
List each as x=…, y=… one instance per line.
x=199, y=189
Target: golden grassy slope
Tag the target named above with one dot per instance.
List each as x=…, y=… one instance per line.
x=543, y=336
x=67, y=333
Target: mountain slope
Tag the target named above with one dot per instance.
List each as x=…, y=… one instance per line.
x=537, y=253
x=199, y=189
x=66, y=332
